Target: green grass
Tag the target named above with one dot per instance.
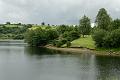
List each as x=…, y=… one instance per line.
x=43, y=27
x=86, y=42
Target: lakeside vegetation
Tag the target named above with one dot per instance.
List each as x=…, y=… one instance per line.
x=59, y=35
x=104, y=35
x=13, y=31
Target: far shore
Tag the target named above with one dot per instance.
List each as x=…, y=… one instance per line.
x=84, y=50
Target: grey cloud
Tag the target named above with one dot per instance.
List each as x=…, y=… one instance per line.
x=54, y=11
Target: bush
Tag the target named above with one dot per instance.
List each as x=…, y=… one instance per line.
x=51, y=34
x=68, y=44
x=65, y=28
x=70, y=36
x=112, y=39
x=59, y=43
x=74, y=35
x=36, y=37
x=98, y=36
x=40, y=37
x=54, y=42
x=107, y=39
x=62, y=28
x=18, y=36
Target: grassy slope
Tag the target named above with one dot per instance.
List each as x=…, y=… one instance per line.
x=86, y=42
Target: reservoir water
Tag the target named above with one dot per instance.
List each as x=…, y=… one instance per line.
x=20, y=62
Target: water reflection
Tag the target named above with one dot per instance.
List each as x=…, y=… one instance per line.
x=65, y=67
x=30, y=63
x=86, y=66
x=109, y=68
x=43, y=51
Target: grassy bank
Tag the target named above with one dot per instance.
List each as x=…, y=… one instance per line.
x=86, y=42
x=87, y=45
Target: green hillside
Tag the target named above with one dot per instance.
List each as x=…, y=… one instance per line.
x=86, y=42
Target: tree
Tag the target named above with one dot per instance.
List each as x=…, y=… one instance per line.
x=19, y=24
x=8, y=23
x=103, y=20
x=70, y=35
x=98, y=37
x=116, y=24
x=112, y=39
x=51, y=34
x=62, y=28
x=43, y=23
x=84, y=26
x=39, y=36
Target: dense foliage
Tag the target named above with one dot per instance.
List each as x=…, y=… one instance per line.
x=39, y=36
x=12, y=31
x=57, y=36
x=107, y=32
x=112, y=39
x=115, y=24
x=71, y=35
x=35, y=37
x=66, y=35
x=98, y=36
x=103, y=20
x=85, y=26
x=107, y=39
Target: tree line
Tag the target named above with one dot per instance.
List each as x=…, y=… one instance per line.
x=105, y=33
x=13, y=31
x=58, y=35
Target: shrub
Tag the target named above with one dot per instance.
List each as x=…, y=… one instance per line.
x=51, y=34
x=18, y=36
x=112, y=39
x=54, y=42
x=59, y=43
x=36, y=37
x=107, y=39
x=74, y=35
x=98, y=36
x=62, y=28
x=68, y=44
x=40, y=36
x=70, y=36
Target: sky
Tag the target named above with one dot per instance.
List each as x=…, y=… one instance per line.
x=55, y=11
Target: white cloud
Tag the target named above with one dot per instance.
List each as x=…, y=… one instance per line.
x=54, y=11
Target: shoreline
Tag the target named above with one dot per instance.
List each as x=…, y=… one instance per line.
x=85, y=50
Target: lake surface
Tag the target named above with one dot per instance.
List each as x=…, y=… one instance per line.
x=19, y=62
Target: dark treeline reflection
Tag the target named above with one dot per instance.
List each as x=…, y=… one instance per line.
x=108, y=67
x=34, y=63
x=43, y=51
x=90, y=67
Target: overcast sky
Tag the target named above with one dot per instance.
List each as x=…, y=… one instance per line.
x=54, y=11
